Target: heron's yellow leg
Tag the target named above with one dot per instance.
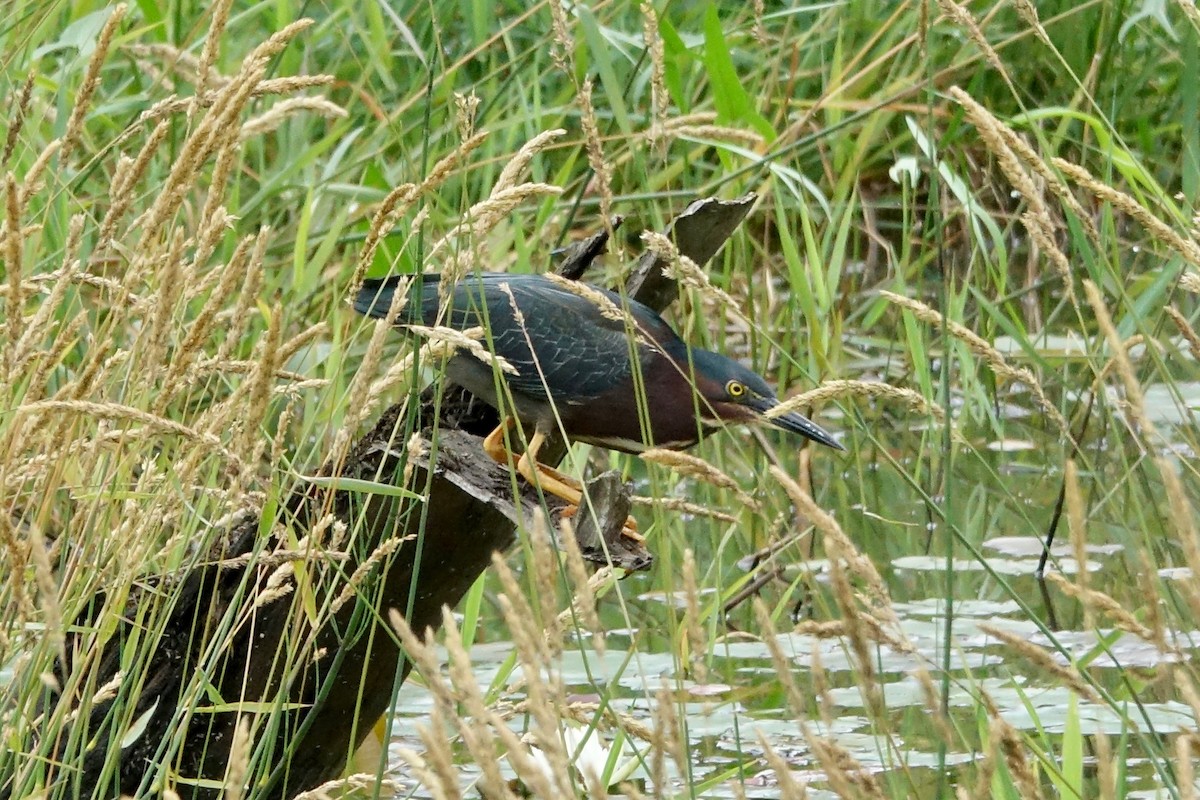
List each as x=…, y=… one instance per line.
x=494, y=446
x=558, y=484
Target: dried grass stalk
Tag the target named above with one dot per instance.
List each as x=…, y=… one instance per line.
x=422, y=653
x=830, y=390
x=695, y=467
x=518, y=165
x=1106, y=766
x=1183, y=523
x=343, y=788
x=123, y=193
x=118, y=412
x=468, y=340
x=1076, y=525
x=438, y=755
x=212, y=43
x=988, y=354
x=1186, y=330
x=481, y=218
x=667, y=741
x=1148, y=590
x=239, y=761
x=583, y=606
x=1187, y=689
x=16, y=120
x=1098, y=602
x=783, y=665
x=602, y=174
x=265, y=88
x=402, y=198
x=562, y=53
x=840, y=546
x=847, y=776
x=716, y=133
x=465, y=108
x=1007, y=740
x=1042, y=223
x=33, y=176
x=788, y=786
x=990, y=130
x=962, y=17
x=51, y=609
x=1190, y=11
x=212, y=132
x=14, y=300
x=1187, y=745
x=476, y=728
x=1041, y=658
x=821, y=687
x=354, y=583
x=62, y=340
x=1027, y=11
x=659, y=96
x=681, y=506
x=545, y=574
x=1190, y=281
x=1125, y=203
x=688, y=273
x=261, y=381
x=91, y=80
x=38, y=327
x=284, y=110
x=607, y=308
x=1134, y=399
x=856, y=633
x=933, y=704
x=692, y=621
x=201, y=328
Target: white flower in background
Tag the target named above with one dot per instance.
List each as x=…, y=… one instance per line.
x=906, y=169
x=596, y=765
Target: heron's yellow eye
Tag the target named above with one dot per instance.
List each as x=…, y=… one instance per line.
x=735, y=389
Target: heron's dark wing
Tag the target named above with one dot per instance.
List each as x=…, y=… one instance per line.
x=553, y=337
x=560, y=339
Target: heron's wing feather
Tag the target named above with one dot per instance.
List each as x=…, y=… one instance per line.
x=558, y=341
x=560, y=344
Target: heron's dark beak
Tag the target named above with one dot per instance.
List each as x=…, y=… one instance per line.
x=794, y=422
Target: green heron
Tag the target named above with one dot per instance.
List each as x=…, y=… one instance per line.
x=603, y=369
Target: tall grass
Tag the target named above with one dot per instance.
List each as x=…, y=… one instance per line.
x=976, y=226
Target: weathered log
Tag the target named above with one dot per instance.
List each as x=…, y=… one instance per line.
x=338, y=679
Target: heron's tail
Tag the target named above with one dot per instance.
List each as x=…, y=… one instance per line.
x=375, y=297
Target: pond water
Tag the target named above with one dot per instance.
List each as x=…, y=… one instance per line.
x=742, y=698
x=975, y=537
